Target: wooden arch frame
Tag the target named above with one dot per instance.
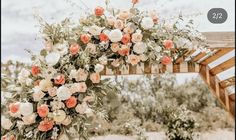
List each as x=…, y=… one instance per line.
x=220, y=43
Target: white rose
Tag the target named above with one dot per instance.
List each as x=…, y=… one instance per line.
x=63, y=93
x=6, y=123
x=115, y=35
x=99, y=68
x=23, y=76
x=139, y=47
x=95, y=30
x=52, y=58
x=147, y=23
x=29, y=119
x=26, y=109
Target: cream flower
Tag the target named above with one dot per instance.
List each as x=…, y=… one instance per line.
x=23, y=76
x=157, y=49
x=82, y=87
x=115, y=63
x=119, y=24
x=82, y=75
x=115, y=47
x=147, y=23
x=137, y=37
x=29, y=119
x=66, y=121
x=6, y=123
x=59, y=116
x=38, y=94
x=45, y=84
x=139, y=47
x=91, y=48
x=133, y=59
x=63, y=93
x=62, y=49
x=81, y=108
x=52, y=91
x=95, y=30
x=124, y=15
x=115, y=35
x=99, y=68
x=111, y=20
x=95, y=77
x=52, y=58
x=26, y=109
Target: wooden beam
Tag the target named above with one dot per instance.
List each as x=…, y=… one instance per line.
x=223, y=66
x=227, y=82
x=217, y=55
x=199, y=56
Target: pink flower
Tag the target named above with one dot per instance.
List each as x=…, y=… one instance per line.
x=103, y=37
x=74, y=48
x=71, y=102
x=14, y=107
x=45, y=125
x=95, y=77
x=82, y=87
x=60, y=79
x=82, y=75
x=6, y=137
x=168, y=44
x=135, y=1
x=124, y=50
x=43, y=110
x=115, y=47
x=99, y=11
x=52, y=91
x=133, y=59
x=166, y=60
x=85, y=38
x=125, y=39
x=35, y=70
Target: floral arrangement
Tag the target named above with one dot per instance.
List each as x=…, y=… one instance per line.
x=62, y=93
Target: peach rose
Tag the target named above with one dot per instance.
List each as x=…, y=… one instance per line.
x=38, y=94
x=45, y=125
x=166, y=60
x=60, y=79
x=74, y=48
x=168, y=44
x=35, y=70
x=115, y=47
x=71, y=102
x=119, y=24
x=125, y=39
x=133, y=59
x=124, y=50
x=124, y=15
x=99, y=11
x=135, y=1
x=137, y=37
x=95, y=77
x=14, y=107
x=103, y=37
x=82, y=87
x=45, y=84
x=111, y=20
x=29, y=119
x=81, y=108
x=52, y=91
x=82, y=75
x=85, y=38
x=43, y=110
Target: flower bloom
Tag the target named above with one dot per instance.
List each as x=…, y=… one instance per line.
x=125, y=39
x=6, y=123
x=35, y=70
x=60, y=79
x=45, y=84
x=124, y=50
x=95, y=77
x=147, y=23
x=133, y=59
x=103, y=37
x=43, y=110
x=168, y=44
x=82, y=75
x=29, y=119
x=26, y=109
x=74, y=48
x=137, y=37
x=63, y=93
x=111, y=20
x=45, y=125
x=115, y=35
x=14, y=107
x=71, y=102
x=82, y=87
x=140, y=48
x=115, y=47
x=124, y=15
x=135, y=1
x=99, y=11
x=85, y=38
x=52, y=91
x=119, y=24
x=166, y=60
x=91, y=48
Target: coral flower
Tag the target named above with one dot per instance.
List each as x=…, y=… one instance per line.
x=125, y=39
x=124, y=50
x=85, y=38
x=103, y=37
x=74, y=48
x=135, y=1
x=95, y=77
x=45, y=125
x=99, y=11
x=60, y=79
x=166, y=60
x=14, y=107
x=168, y=44
x=71, y=102
x=35, y=70
x=43, y=110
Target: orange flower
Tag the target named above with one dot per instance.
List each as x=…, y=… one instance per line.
x=103, y=37
x=45, y=125
x=14, y=107
x=135, y=1
x=125, y=39
x=35, y=70
x=124, y=50
x=99, y=11
x=85, y=38
x=71, y=102
x=166, y=60
x=95, y=77
x=168, y=44
x=43, y=110
x=74, y=48
x=60, y=79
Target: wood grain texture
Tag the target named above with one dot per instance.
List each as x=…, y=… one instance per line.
x=223, y=66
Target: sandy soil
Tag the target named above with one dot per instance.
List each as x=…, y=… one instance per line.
x=214, y=135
